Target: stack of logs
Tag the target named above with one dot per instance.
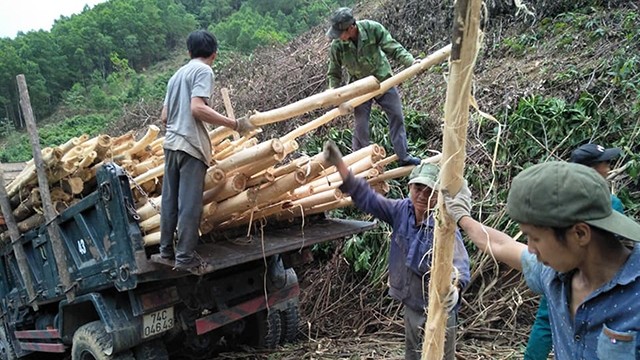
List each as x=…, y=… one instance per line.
x=248, y=180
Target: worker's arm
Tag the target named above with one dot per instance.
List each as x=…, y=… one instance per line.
x=163, y=116
x=363, y=196
x=391, y=46
x=202, y=112
x=334, y=73
x=489, y=240
x=500, y=245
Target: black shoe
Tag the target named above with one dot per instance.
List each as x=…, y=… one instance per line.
x=409, y=160
x=193, y=266
x=168, y=255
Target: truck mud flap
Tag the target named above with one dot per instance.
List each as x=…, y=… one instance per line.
x=49, y=336
x=224, y=317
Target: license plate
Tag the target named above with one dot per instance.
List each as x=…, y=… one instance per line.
x=157, y=322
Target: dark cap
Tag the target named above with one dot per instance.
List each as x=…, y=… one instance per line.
x=560, y=194
x=340, y=21
x=425, y=174
x=589, y=154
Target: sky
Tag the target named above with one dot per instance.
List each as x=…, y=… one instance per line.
x=27, y=15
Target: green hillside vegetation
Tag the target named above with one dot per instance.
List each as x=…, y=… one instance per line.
x=567, y=74
x=96, y=61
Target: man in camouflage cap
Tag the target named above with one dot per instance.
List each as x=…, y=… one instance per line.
x=573, y=256
x=362, y=47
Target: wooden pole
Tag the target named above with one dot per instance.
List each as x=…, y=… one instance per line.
x=49, y=212
x=327, y=98
x=436, y=58
x=228, y=108
x=18, y=250
x=465, y=38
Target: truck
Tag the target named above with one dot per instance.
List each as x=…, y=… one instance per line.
x=127, y=303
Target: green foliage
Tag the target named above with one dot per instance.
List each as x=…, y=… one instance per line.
x=247, y=29
x=18, y=146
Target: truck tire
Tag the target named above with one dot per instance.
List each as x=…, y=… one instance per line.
x=269, y=328
x=151, y=350
x=91, y=341
x=290, y=324
x=6, y=349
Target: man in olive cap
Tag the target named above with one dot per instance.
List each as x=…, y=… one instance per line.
x=598, y=158
x=362, y=47
x=573, y=256
x=411, y=247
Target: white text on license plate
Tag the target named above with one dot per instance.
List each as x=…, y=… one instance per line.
x=157, y=322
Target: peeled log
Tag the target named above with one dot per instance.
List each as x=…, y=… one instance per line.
x=149, y=208
x=151, y=223
x=152, y=174
x=149, y=136
x=291, y=166
x=151, y=239
x=30, y=223
x=331, y=97
x=223, y=191
x=436, y=58
x=73, y=185
x=250, y=155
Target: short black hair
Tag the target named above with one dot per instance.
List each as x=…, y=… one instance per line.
x=201, y=44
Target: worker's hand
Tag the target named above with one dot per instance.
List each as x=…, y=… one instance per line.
x=452, y=298
x=331, y=153
x=460, y=205
x=244, y=125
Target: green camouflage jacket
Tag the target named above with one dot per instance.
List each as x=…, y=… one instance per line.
x=369, y=57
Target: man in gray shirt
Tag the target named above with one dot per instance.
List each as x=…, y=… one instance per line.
x=187, y=149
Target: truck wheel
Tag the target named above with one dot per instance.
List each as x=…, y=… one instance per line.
x=151, y=350
x=6, y=349
x=91, y=341
x=269, y=328
x=290, y=324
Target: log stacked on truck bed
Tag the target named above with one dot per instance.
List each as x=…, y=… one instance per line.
x=248, y=181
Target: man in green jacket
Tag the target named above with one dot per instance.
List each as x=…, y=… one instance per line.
x=362, y=47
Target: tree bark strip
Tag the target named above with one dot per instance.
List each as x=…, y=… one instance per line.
x=465, y=42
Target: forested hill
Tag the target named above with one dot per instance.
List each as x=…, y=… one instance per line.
x=85, y=60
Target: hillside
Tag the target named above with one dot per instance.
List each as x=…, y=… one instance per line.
x=563, y=76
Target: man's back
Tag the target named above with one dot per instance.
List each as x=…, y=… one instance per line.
x=184, y=133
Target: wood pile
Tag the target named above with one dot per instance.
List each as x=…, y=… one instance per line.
x=248, y=181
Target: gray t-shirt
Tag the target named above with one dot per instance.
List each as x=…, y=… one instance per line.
x=184, y=132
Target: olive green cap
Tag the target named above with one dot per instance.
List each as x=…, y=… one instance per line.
x=560, y=194
x=425, y=174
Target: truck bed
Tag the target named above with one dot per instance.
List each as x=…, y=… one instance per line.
x=222, y=254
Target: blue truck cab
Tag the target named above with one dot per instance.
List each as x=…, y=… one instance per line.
x=127, y=304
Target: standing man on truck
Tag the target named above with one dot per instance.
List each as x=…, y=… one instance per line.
x=362, y=47
x=411, y=247
x=187, y=149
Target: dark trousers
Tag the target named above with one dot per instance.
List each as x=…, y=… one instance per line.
x=414, y=331
x=392, y=106
x=182, y=188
